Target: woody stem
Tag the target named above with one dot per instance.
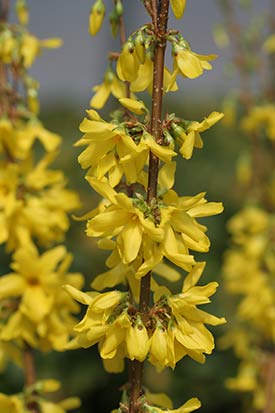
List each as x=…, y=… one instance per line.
x=30, y=378
x=160, y=27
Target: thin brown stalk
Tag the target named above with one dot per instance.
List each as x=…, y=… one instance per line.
x=29, y=367
x=155, y=14
x=30, y=379
x=160, y=27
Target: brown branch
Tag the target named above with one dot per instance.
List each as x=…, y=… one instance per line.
x=160, y=28
x=135, y=370
x=154, y=14
x=30, y=379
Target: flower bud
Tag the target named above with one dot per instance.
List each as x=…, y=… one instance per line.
x=22, y=12
x=127, y=64
x=119, y=8
x=135, y=106
x=178, y=7
x=137, y=341
x=140, y=47
x=96, y=17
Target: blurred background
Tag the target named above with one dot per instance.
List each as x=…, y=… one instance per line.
x=66, y=77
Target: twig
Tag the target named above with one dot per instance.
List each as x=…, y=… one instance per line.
x=30, y=378
x=160, y=27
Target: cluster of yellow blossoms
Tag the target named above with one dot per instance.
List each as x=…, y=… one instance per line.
x=174, y=328
x=144, y=236
x=135, y=62
x=249, y=270
x=17, y=402
x=261, y=119
x=249, y=265
x=35, y=312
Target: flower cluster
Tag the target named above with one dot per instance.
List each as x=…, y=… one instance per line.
x=35, y=313
x=249, y=268
x=144, y=224
x=38, y=312
x=16, y=402
x=249, y=264
x=174, y=326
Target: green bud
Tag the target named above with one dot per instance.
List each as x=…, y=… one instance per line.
x=176, y=130
x=119, y=8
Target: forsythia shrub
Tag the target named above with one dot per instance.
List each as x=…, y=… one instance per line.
x=36, y=313
x=249, y=265
x=148, y=228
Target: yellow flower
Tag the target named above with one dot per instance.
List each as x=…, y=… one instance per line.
x=17, y=403
x=33, y=202
x=159, y=349
x=97, y=130
x=189, y=406
x=144, y=78
x=135, y=106
x=178, y=7
x=128, y=63
x=30, y=47
x=8, y=44
x=120, y=154
x=137, y=341
x=127, y=223
x=190, y=138
x=269, y=44
x=96, y=17
x=138, y=238
x=181, y=231
x=189, y=63
x=111, y=85
x=180, y=330
x=17, y=138
x=43, y=311
x=106, y=322
x=11, y=404
x=22, y=12
x=260, y=118
x=158, y=399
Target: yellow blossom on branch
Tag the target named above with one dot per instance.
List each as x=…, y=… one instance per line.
x=40, y=308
